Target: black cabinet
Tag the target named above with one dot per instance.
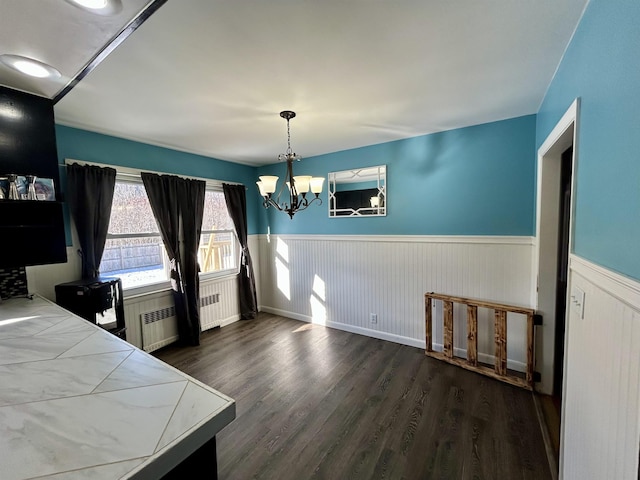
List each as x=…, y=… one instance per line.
x=31, y=232
x=28, y=143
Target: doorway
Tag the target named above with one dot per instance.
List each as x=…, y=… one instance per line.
x=564, y=215
x=552, y=404
x=554, y=237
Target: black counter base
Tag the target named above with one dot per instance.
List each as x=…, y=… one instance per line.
x=201, y=464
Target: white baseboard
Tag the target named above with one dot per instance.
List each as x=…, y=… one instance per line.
x=484, y=358
x=230, y=320
x=163, y=343
x=411, y=342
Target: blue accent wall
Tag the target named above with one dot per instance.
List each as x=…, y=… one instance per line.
x=79, y=144
x=602, y=67
x=470, y=181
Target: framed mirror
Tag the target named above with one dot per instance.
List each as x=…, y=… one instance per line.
x=358, y=193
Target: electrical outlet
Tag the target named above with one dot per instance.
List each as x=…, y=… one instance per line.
x=374, y=318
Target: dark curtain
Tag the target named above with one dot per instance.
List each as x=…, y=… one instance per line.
x=192, y=202
x=90, y=195
x=177, y=204
x=235, y=197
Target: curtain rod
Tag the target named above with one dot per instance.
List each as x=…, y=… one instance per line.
x=135, y=172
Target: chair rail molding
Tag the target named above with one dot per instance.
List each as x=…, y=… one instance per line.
x=463, y=239
x=623, y=288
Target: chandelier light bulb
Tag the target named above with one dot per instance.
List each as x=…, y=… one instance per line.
x=316, y=185
x=302, y=183
x=269, y=183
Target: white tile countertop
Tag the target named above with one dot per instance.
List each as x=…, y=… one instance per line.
x=77, y=402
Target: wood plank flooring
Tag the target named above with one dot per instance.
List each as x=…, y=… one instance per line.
x=318, y=403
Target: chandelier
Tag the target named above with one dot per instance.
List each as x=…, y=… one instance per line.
x=298, y=186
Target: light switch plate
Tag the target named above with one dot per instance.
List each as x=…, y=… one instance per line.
x=577, y=301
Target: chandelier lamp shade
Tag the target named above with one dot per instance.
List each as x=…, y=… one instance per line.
x=297, y=186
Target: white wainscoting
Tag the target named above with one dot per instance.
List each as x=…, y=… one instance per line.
x=254, y=248
x=601, y=402
x=339, y=281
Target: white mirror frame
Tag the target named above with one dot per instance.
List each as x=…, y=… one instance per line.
x=378, y=203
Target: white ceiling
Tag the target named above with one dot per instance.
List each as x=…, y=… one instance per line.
x=211, y=77
x=57, y=33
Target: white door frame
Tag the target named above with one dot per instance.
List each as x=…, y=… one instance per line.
x=545, y=261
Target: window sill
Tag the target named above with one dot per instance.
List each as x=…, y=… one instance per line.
x=161, y=287
x=210, y=276
x=144, y=290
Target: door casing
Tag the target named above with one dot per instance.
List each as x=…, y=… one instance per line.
x=545, y=258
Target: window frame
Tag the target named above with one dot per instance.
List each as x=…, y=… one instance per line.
x=133, y=175
x=204, y=276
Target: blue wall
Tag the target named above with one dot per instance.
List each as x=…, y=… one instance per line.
x=471, y=181
x=478, y=180
x=93, y=147
x=602, y=67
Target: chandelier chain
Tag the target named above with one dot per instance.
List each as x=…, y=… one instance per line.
x=289, y=152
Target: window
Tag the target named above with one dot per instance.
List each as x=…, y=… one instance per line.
x=218, y=245
x=134, y=250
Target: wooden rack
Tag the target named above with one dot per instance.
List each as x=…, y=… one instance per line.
x=499, y=371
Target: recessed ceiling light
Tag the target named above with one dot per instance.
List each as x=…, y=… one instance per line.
x=93, y=4
x=29, y=66
x=101, y=7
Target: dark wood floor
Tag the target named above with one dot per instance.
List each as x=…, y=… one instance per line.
x=318, y=403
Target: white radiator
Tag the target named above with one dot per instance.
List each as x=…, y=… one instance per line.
x=151, y=321
x=210, y=311
x=160, y=326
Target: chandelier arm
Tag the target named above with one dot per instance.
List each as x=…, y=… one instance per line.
x=268, y=202
x=316, y=198
x=297, y=206
x=307, y=204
